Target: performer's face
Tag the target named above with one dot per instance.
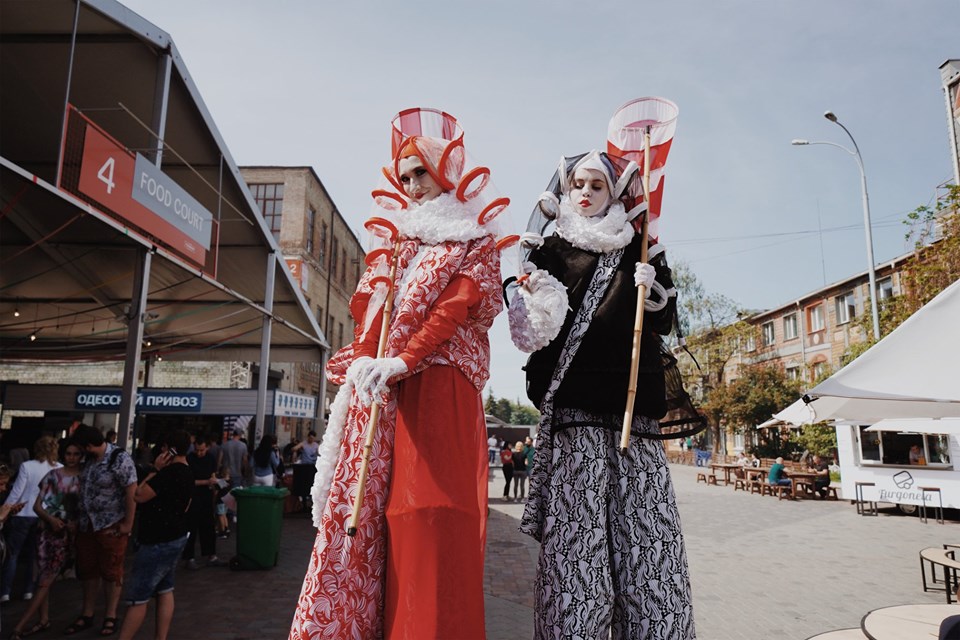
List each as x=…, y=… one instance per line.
x=417, y=182
x=590, y=194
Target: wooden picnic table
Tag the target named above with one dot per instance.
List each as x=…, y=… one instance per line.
x=807, y=477
x=727, y=468
x=761, y=475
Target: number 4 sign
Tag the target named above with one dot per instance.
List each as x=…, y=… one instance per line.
x=106, y=174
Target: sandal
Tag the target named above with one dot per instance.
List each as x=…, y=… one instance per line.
x=109, y=627
x=81, y=623
x=37, y=628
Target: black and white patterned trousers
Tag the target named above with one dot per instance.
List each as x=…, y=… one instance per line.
x=612, y=558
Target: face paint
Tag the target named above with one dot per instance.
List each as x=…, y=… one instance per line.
x=417, y=182
x=589, y=194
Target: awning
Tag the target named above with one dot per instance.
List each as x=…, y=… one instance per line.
x=68, y=262
x=775, y=422
x=949, y=426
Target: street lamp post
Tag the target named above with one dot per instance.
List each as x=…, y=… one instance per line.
x=829, y=115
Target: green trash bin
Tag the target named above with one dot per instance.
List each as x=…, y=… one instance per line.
x=259, y=518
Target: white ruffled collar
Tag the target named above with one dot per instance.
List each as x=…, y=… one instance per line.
x=599, y=234
x=442, y=219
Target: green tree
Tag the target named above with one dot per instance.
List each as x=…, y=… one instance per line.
x=716, y=335
x=525, y=414
x=510, y=412
x=758, y=392
x=819, y=439
x=934, y=265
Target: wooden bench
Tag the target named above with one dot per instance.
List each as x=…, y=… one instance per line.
x=777, y=490
x=707, y=478
x=810, y=488
x=739, y=480
x=939, y=557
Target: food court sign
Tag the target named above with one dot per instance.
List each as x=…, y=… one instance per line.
x=147, y=401
x=129, y=187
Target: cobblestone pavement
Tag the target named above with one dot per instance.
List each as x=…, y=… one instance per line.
x=760, y=568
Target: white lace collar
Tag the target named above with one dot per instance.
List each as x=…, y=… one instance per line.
x=440, y=220
x=599, y=234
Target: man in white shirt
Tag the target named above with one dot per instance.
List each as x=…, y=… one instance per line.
x=492, y=448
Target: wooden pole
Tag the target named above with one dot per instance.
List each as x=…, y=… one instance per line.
x=375, y=407
x=641, y=296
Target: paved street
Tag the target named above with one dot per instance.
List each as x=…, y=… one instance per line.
x=761, y=568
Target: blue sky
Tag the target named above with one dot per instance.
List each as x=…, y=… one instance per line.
x=316, y=83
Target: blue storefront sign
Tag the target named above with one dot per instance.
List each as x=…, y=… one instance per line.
x=147, y=401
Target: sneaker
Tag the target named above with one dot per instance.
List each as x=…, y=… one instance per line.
x=223, y=536
x=28, y=595
x=192, y=565
x=5, y=598
x=214, y=561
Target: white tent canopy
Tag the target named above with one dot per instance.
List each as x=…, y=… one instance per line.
x=776, y=422
x=911, y=373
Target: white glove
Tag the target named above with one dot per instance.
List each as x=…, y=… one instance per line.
x=538, y=279
x=358, y=367
x=374, y=380
x=644, y=275
x=529, y=240
x=549, y=205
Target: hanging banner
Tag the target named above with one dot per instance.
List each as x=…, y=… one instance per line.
x=135, y=192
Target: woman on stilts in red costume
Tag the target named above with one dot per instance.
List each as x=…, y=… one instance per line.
x=414, y=568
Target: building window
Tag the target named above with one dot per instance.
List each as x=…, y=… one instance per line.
x=790, y=327
x=894, y=448
x=311, y=228
x=343, y=267
x=815, y=318
x=269, y=197
x=751, y=343
x=340, y=334
x=885, y=289
x=769, y=335
x=323, y=244
x=320, y=316
x=818, y=371
x=793, y=373
x=846, y=308
x=333, y=257
x=326, y=331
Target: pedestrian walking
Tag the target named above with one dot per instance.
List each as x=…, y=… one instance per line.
x=164, y=496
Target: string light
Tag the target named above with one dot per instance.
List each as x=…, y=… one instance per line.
x=33, y=336
x=16, y=312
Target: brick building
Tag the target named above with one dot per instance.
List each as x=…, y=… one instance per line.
x=808, y=337
x=322, y=253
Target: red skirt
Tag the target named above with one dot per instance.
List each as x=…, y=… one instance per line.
x=437, y=510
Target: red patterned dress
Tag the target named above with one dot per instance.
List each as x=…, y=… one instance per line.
x=414, y=569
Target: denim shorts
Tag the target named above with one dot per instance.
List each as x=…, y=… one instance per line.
x=153, y=568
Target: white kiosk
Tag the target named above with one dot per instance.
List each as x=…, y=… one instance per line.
x=896, y=409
